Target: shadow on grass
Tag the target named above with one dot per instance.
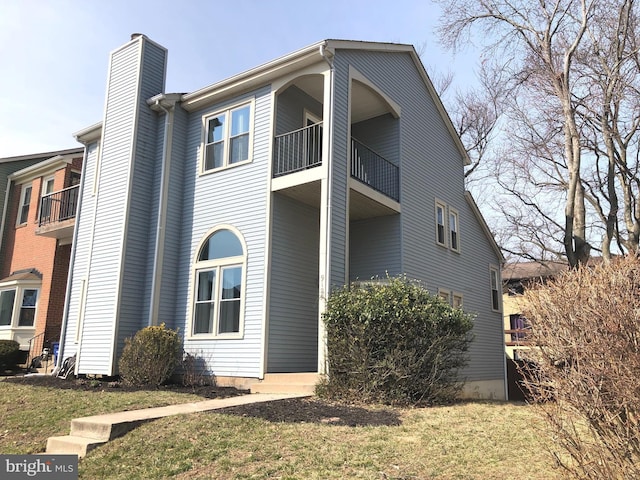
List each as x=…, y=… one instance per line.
x=312, y=410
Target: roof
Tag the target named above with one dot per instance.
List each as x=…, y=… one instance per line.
x=267, y=72
x=526, y=270
x=44, y=155
x=30, y=274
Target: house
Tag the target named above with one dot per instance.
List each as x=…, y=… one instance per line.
x=232, y=211
x=38, y=215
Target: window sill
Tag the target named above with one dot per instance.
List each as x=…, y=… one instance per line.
x=209, y=336
x=225, y=167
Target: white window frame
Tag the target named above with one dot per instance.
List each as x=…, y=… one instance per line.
x=457, y=300
x=23, y=192
x=494, y=285
x=443, y=206
x=19, y=288
x=218, y=264
x=445, y=295
x=454, y=213
x=226, y=136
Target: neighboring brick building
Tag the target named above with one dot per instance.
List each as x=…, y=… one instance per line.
x=37, y=232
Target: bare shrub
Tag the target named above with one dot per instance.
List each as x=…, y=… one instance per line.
x=151, y=356
x=585, y=334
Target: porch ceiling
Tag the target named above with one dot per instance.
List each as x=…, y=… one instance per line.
x=365, y=103
x=308, y=193
x=361, y=207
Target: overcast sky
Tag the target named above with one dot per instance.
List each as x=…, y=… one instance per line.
x=54, y=53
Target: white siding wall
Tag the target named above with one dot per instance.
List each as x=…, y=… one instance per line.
x=236, y=196
x=293, y=307
x=431, y=167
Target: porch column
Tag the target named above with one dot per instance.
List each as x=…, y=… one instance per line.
x=324, y=268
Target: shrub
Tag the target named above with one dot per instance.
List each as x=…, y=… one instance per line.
x=9, y=351
x=150, y=357
x=586, y=335
x=394, y=343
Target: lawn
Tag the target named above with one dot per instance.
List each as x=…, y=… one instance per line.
x=301, y=439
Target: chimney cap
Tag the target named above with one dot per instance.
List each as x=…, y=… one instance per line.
x=136, y=35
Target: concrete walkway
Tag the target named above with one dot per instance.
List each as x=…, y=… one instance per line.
x=90, y=432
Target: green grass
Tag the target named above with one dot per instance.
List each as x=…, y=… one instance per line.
x=473, y=440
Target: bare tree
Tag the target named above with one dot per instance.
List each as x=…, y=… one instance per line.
x=537, y=43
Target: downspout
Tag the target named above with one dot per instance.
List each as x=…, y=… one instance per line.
x=328, y=57
x=156, y=281
x=67, y=294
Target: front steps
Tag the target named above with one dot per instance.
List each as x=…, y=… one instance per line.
x=301, y=383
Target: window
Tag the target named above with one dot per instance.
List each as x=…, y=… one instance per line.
x=453, y=230
x=23, y=208
x=495, y=291
x=45, y=200
x=445, y=295
x=219, y=287
x=20, y=313
x=457, y=300
x=227, y=139
x=518, y=325
x=440, y=219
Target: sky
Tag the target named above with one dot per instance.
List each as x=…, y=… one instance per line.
x=54, y=53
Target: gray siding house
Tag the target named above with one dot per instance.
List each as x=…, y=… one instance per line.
x=232, y=211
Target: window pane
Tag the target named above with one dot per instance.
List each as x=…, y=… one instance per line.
x=231, y=282
x=24, y=207
x=204, y=318
x=229, y=316
x=28, y=310
x=221, y=244
x=240, y=121
x=454, y=240
x=215, y=129
x=206, y=281
x=440, y=233
x=214, y=156
x=7, y=298
x=240, y=148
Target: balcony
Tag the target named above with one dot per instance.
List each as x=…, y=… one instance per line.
x=298, y=150
x=302, y=150
x=58, y=213
x=373, y=170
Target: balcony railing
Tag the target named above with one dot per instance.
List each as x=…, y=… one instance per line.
x=518, y=337
x=58, y=206
x=298, y=150
x=374, y=171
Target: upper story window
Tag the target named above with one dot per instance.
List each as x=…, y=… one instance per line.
x=495, y=288
x=227, y=138
x=447, y=226
x=219, y=286
x=23, y=208
x=440, y=219
x=453, y=230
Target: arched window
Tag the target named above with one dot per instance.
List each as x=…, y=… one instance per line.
x=219, y=285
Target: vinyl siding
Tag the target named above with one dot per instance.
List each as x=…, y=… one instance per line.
x=120, y=222
x=84, y=229
x=380, y=134
x=142, y=211
x=431, y=167
x=235, y=196
x=291, y=105
x=293, y=306
x=374, y=248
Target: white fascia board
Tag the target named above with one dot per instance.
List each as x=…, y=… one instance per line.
x=253, y=78
x=42, y=168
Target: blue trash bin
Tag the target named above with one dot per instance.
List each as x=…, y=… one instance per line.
x=56, y=346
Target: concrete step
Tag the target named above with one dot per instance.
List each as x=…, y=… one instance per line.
x=72, y=445
x=301, y=383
